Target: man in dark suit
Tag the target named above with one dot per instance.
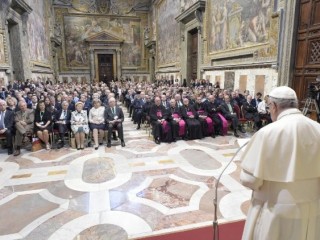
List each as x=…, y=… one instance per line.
x=6, y=124
x=229, y=112
x=146, y=108
x=114, y=118
x=250, y=111
x=62, y=122
x=165, y=102
x=138, y=103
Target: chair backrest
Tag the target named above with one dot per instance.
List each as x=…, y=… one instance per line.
x=237, y=109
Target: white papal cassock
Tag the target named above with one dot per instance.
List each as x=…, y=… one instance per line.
x=282, y=165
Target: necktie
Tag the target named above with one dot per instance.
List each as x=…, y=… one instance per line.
x=64, y=114
x=2, y=121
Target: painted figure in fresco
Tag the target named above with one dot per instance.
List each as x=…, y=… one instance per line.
x=220, y=16
x=258, y=20
x=90, y=30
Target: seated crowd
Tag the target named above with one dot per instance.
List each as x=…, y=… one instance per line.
x=34, y=108
x=193, y=112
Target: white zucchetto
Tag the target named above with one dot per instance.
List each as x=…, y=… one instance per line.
x=283, y=92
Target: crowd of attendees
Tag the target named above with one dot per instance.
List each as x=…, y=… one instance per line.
x=174, y=111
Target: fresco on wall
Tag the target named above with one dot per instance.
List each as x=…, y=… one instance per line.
x=38, y=31
x=236, y=24
x=168, y=33
x=77, y=29
x=114, y=7
x=2, y=52
x=185, y=4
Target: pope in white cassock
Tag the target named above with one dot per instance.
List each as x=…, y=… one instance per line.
x=281, y=164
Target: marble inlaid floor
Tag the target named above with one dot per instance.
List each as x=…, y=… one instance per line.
x=119, y=193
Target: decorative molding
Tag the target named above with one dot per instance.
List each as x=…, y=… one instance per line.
x=247, y=65
x=151, y=44
x=104, y=37
x=192, y=12
x=20, y=6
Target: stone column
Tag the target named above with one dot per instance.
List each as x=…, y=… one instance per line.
x=199, y=51
x=118, y=52
x=91, y=65
x=287, y=48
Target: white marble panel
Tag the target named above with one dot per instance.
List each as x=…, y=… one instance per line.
x=131, y=223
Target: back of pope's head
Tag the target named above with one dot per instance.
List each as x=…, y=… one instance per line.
x=283, y=92
x=285, y=97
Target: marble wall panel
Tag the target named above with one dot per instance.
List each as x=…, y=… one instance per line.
x=229, y=80
x=243, y=82
x=259, y=84
x=245, y=79
x=168, y=32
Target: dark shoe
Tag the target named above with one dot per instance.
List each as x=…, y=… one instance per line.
x=157, y=141
x=10, y=151
x=213, y=136
x=60, y=145
x=78, y=148
x=16, y=152
x=236, y=134
x=123, y=144
x=109, y=144
x=138, y=127
x=96, y=148
x=241, y=129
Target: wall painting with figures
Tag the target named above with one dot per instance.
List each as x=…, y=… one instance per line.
x=238, y=24
x=39, y=31
x=78, y=28
x=168, y=33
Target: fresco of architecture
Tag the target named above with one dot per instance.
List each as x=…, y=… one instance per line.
x=168, y=32
x=79, y=28
x=114, y=7
x=238, y=24
x=38, y=31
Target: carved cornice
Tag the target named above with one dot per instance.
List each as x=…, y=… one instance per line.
x=190, y=14
x=151, y=44
x=21, y=6
x=56, y=42
x=104, y=37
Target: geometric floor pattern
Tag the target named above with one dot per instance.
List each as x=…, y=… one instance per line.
x=120, y=193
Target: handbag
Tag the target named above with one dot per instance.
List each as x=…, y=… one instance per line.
x=73, y=142
x=36, y=145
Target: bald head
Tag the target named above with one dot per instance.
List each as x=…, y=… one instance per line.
x=112, y=102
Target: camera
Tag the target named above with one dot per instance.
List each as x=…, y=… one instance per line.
x=313, y=89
